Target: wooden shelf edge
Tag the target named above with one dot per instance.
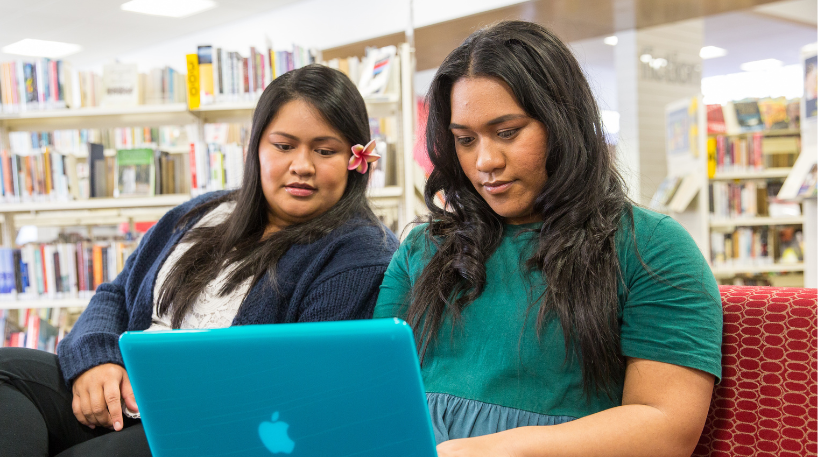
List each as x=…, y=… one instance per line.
x=44, y=303
x=96, y=111
x=761, y=174
x=722, y=272
x=757, y=221
x=782, y=132
x=96, y=203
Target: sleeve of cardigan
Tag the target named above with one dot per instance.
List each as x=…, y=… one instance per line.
x=94, y=339
x=348, y=295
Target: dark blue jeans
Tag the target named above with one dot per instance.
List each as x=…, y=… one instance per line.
x=36, y=418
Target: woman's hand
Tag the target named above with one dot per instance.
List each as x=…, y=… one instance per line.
x=98, y=393
x=494, y=445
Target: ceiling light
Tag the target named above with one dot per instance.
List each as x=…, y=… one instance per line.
x=646, y=58
x=171, y=8
x=42, y=48
x=611, y=40
x=658, y=63
x=761, y=65
x=711, y=52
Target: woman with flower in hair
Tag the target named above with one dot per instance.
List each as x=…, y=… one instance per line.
x=297, y=242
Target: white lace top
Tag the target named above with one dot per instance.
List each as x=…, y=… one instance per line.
x=210, y=310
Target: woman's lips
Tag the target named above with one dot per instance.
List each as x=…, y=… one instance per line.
x=300, y=190
x=497, y=187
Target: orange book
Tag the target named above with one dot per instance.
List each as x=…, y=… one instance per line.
x=45, y=276
x=97, y=265
x=7, y=181
x=47, y=166
x=29, y=182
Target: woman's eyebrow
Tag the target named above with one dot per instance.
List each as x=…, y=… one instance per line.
x=327, y=138
x=494, y=121
x=317, y=139
x=286, y=135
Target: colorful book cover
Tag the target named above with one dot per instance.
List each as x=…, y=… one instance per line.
x=774, y=113
x=715, y=120
x=134, y=173
x=205, y=56
x=748, y=115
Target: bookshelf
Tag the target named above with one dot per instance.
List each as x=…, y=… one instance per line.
x=394, y=202
x=731, y=205
x=742, y=192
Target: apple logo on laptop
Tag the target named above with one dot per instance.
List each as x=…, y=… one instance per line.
x=274, y=436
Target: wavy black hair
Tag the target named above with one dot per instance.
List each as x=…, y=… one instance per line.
x=581, y=203
x=239, y=239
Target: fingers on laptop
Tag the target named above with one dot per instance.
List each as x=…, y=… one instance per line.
x=127, y=393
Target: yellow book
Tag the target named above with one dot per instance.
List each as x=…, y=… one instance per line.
x=711, y=158
x=47, y=167
x=273, y=64
x=193, y=81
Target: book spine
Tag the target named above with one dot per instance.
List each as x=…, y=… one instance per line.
x=97, y=262
x=193, y=83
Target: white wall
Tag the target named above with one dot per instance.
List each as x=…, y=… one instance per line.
x=319, y=24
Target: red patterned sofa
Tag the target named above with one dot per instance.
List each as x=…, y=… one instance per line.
x=765, y=404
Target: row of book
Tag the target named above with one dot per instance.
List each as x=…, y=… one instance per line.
x=752, y=115
x=228, y=76
x=751, y=153
x=35, y=85
x=60, y=270
x=122, y=84
x=169, y=137
x=44, y=174
x=36, y=328
x=374, y=74
x=217, y=163
x=730, y=200
x=757, y=246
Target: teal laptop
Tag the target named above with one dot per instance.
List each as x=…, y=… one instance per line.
x=325, y=389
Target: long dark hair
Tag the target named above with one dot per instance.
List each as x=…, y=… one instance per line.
x=581, y=203
x=239, y=238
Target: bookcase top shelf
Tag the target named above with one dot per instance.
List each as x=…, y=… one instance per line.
x=757, y=221
x=726, y=272
x=25, y=119
x=768, y=173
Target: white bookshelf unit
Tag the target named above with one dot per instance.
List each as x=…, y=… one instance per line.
x=395, y=202
x=694, y=212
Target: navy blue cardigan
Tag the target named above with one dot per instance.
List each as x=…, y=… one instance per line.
x=335, y=278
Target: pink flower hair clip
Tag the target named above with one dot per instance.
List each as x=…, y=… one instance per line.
x=362, y=156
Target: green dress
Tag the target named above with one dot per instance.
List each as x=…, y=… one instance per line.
x=493, y=373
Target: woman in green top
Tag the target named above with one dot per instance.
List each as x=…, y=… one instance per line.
x=541, y=295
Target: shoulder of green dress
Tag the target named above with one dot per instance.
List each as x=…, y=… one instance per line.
x=646, y=221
